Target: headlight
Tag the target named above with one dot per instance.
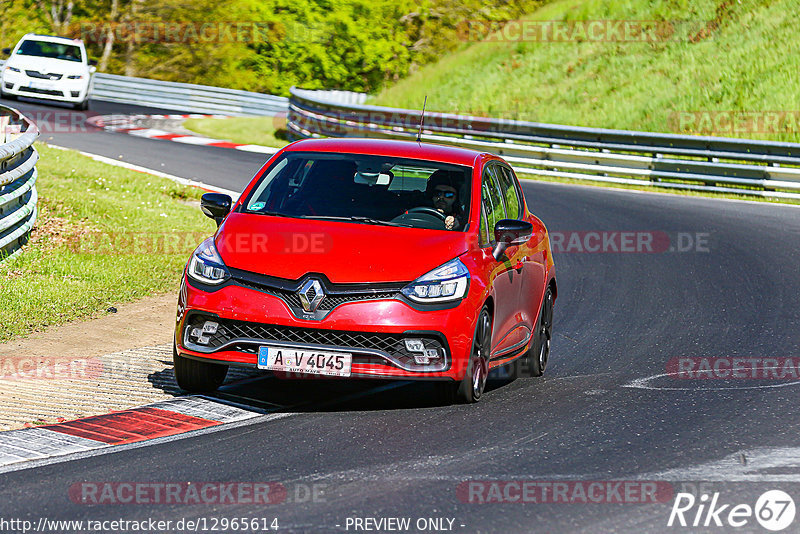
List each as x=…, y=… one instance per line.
x=206, y=265
x=12, y=69
x=75, y=77
x=443, y=284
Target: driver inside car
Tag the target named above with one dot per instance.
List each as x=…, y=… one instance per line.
x=445, y=198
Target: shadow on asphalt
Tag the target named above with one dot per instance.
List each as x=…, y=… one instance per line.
x=262, y=391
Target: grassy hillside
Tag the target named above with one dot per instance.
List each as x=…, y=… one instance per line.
x=744, y=58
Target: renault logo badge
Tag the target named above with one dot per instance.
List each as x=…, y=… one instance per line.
x=311, y=294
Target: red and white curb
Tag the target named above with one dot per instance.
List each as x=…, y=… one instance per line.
x=131, y=124
x=153, y=421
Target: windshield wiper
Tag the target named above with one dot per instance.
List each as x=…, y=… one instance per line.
x=272, y=213
x=354, y=218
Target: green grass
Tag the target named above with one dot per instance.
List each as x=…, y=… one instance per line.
x=265, y=131
x=93, y=243
x=748, y=62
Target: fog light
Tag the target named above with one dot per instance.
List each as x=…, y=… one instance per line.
x=415, y=345
x=433, y=354
x=210, y=327
x=198, y=334
x=420, y=359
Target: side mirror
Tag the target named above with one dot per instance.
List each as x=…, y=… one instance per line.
x=6, y=51
x=509, y=232
x=92, y=69
x=216, y=206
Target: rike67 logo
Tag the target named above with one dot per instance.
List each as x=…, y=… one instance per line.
x=774, y=510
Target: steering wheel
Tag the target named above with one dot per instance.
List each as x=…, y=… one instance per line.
x=422, y=217
x=429, y=211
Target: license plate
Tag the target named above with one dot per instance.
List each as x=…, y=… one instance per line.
x=312, y=362
x=41, y=86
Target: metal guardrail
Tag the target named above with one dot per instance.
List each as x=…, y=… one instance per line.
x=701, y=163
x=193, y=98
x=185, y=96
x=18, y=175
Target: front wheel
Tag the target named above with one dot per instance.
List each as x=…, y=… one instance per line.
x=470, y=389
x=195, y=376
x=539, y=352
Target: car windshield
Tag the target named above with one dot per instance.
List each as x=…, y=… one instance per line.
x=364, y=189
x=47, y=49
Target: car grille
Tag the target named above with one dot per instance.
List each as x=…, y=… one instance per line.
x=335, y=295
x=230, y=332
x=50, y=92
x=330, y=301
x=39, y=75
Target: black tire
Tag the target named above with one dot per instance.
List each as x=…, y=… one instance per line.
x=470, y=389
x=195, y=376
x=82, y=106
x=539, y=353
x=7, y=96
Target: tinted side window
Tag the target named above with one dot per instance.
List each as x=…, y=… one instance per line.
x=492, y=201
x=509, y=189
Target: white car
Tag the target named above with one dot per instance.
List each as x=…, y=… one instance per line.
x=52, y=68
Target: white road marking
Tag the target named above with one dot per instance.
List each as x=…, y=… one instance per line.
x=194, y=140
x=257, y=148
x=761, y=465
x=131, y=166
x=150, y=132
x=644, y=383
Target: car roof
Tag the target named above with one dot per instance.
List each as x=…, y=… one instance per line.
x=387, y=147
x=51, y=39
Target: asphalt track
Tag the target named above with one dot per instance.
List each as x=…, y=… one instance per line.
x=600, y=413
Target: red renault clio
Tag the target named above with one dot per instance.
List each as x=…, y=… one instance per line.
x=363, y=258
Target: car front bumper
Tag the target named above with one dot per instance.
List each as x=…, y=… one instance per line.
x=373, y=331
x=63, y=90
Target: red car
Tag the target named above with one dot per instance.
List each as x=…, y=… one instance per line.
x=363, y=258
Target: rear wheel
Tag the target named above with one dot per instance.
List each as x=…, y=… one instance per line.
x=539, y=352
x=195, y=376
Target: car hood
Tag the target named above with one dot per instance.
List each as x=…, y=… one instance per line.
x=344, y=252
x=47, y=65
